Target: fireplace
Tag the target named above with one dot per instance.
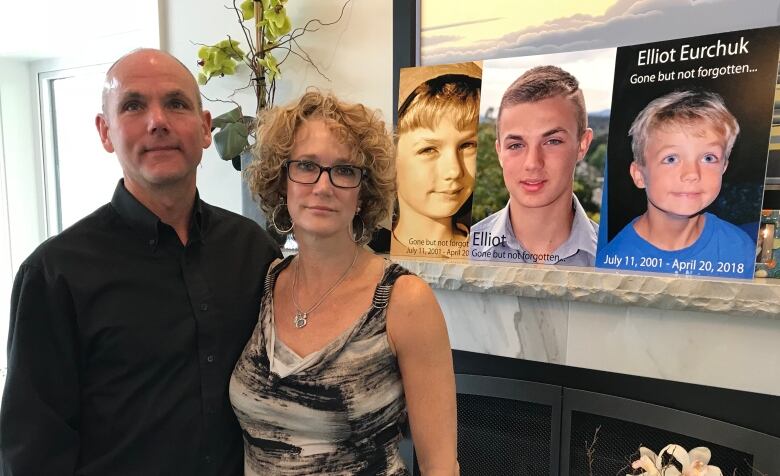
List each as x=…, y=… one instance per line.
x=613, y=428
x=517, y=417
x=490, y=411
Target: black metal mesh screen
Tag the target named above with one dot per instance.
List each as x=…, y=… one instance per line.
x=498, y=437
x=618, y=443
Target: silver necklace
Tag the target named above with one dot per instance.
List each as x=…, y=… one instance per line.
x=301, y=317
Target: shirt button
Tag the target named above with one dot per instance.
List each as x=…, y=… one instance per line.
x=204, y=307
x=210, y=359
x=152, y=242
x=207, y=459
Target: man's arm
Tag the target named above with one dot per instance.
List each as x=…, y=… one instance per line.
x=40, y=409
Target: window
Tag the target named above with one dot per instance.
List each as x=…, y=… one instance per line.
x=79, y=175
x=53, y=169
x=6, y=270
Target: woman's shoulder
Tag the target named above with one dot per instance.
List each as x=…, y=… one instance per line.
x=414, y=314
x=404, y=287
x=399, y=277
x=409, y=290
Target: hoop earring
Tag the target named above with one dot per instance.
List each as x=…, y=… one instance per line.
x=276, y=210
x=355, y=237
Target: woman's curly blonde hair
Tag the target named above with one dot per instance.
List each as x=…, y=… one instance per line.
x=358, y=127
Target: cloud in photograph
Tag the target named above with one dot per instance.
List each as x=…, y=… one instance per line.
x=441, y=39
x=462, y=23
x=624, y=23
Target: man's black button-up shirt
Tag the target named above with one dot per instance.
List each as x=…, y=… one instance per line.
x=122, y=342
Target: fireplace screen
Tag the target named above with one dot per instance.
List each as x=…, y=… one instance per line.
x=509, y=426
x=606, y=446
x=488, y=440
x=602, y=434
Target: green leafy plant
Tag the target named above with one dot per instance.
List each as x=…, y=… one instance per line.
x=270, y=41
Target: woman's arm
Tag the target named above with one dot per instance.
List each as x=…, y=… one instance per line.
x=418, y=333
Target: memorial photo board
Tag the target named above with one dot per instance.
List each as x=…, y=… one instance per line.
x=652, y=156
x=436, y=158
x=552, y=136
x=687, y=154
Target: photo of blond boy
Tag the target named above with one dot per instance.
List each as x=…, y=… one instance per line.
x=681, y=143
x=436, y=160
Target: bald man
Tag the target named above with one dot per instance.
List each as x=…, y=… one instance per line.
x=125, y=327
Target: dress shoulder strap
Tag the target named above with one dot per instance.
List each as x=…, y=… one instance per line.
x=393, y=271
x=273, y=272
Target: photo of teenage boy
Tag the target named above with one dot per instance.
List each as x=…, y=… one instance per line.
x=541, y=134
x=681, y=143
x=436, y=159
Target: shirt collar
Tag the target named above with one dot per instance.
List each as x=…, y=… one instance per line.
x=147, y=224
x=503, y=227
x=582, y=237
x=198, y=221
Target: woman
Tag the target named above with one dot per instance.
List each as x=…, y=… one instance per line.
x=436, y=159
x=347, y=342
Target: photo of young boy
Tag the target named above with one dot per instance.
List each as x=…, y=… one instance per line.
x=687, y=154
x=436, y=160
x=542, y=143
x=681, y=144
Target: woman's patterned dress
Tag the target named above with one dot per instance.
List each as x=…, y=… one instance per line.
x=337, y=411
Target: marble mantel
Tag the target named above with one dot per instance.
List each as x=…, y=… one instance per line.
x=758, y=297
x=723, y=333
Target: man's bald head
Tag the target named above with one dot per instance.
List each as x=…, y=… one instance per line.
x=154, y=123
x=146, y=55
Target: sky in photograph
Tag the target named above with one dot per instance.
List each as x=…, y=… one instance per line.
x=463, y=31
x=593, y=69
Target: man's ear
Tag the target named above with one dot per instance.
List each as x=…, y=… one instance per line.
x=498, y=153
x=102, y=127
x=585, y=140
x=206, y=117
x=637, y=174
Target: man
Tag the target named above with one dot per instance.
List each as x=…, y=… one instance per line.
x=126, y=326
x=541, y=134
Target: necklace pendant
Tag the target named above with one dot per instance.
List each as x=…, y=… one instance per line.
x=300, y=319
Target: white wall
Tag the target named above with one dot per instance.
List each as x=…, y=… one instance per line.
x=25, y=195
x=24, y=229
x=356, y=54
x=85, y=44
x=87, y=40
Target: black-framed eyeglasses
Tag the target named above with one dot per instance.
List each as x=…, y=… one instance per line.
x=308, y=172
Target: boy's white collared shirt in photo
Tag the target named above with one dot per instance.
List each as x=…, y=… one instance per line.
x=493, y=239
